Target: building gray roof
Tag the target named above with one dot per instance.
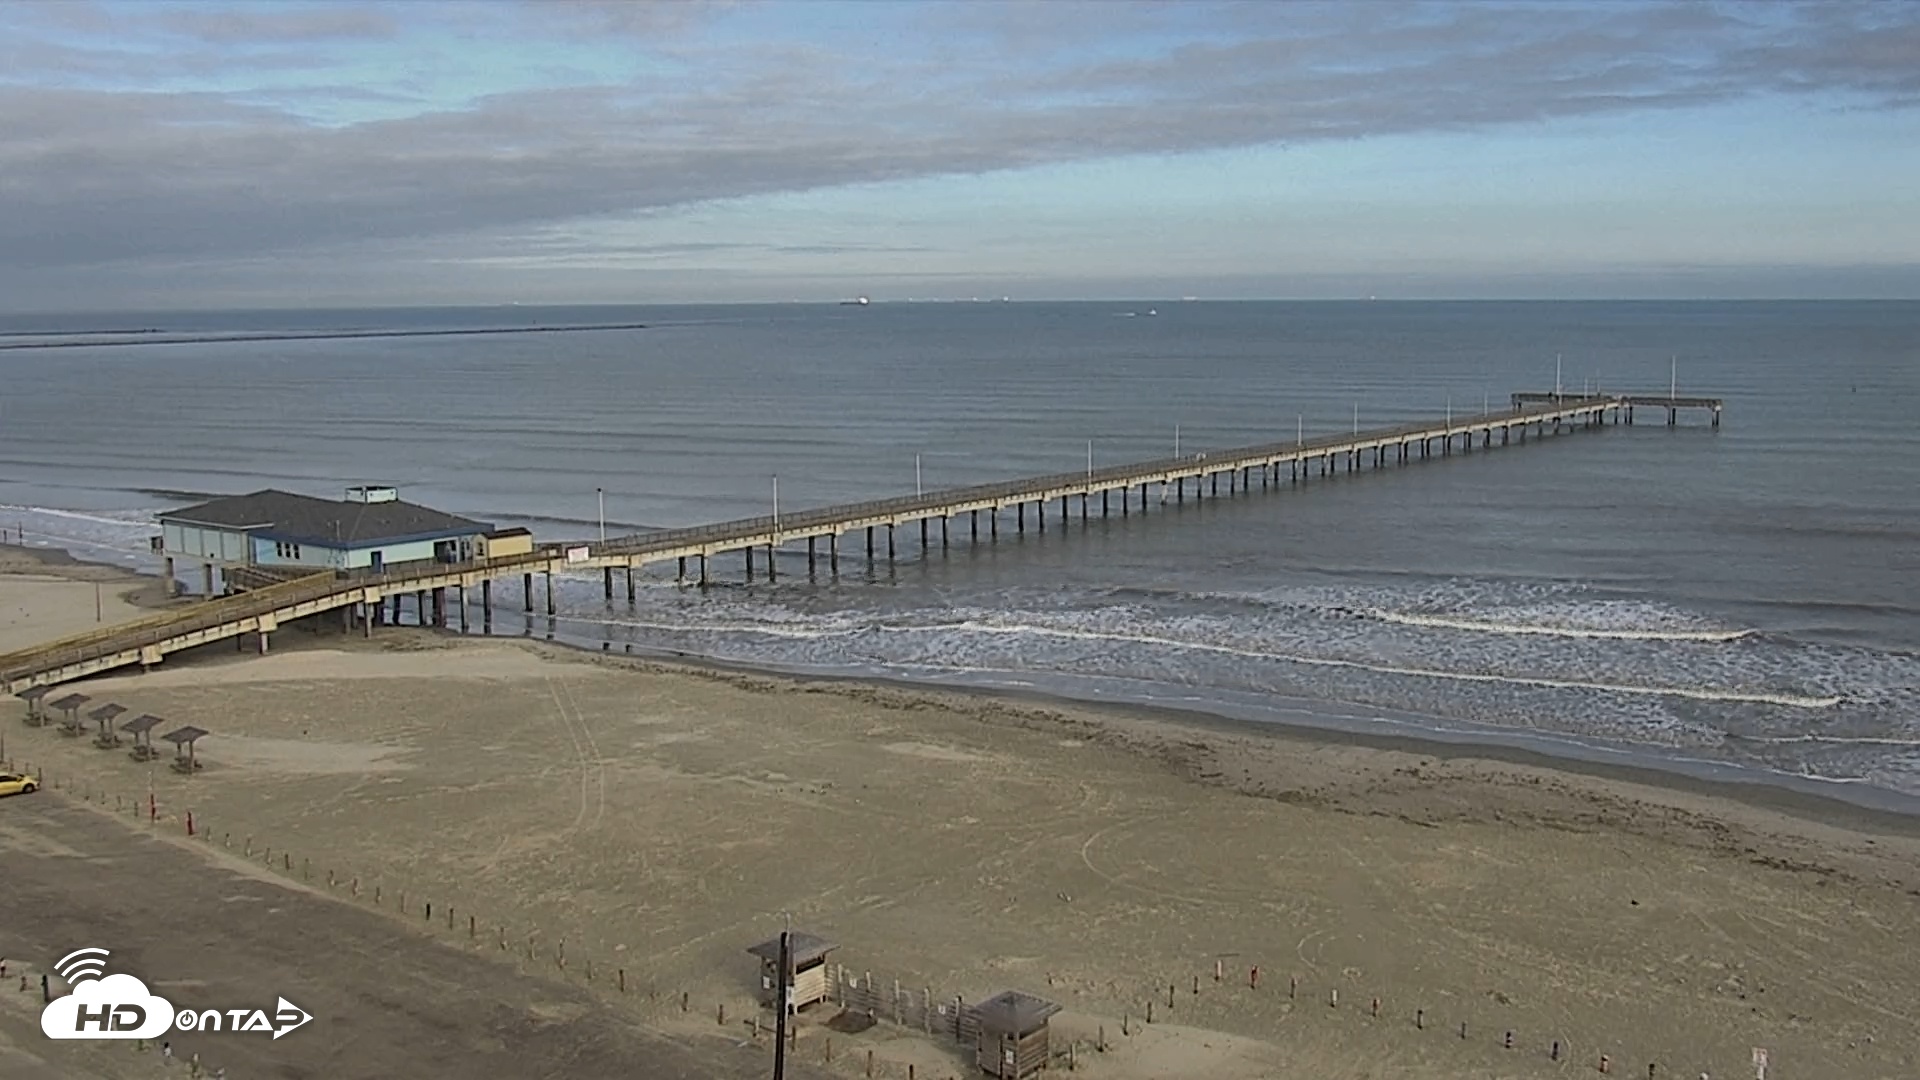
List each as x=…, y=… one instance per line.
x=284, y=515
x=801, y=948
x=1014, y=1012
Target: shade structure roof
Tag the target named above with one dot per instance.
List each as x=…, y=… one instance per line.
x=106, y=713
x=183, y=735
x=71, y=701
x=141, y=723
x=1013, y=1012
x=801, y=948
x=33, y=693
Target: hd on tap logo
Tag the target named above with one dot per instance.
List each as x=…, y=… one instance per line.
x=119, y=1006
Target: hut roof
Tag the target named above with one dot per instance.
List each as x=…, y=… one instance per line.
x=141, y=723
x=33, y=693
x=71, y=701
x=801, y=948
x=105, y=713
x=1013, y=1012
x=179, y=736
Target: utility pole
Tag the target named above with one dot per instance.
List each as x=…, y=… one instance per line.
x=96, y=602
x=780, y=1004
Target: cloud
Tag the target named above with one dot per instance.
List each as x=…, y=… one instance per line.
x=128, y=1002
x=719, y=106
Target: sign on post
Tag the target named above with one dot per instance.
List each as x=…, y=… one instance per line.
x=1759, y=1063
x=578, y=554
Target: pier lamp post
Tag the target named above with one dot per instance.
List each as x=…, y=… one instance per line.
x=918, y=489
x=1089, y=461
x=1356, y=419
x=1176, y=441
x=1449, y=410
x=1300, y=430
x=776, y=502
x=601, y=494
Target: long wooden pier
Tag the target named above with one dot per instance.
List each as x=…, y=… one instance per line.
x=362, y=599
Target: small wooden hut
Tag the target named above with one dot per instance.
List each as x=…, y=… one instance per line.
x=806, y=959
x=183, y=740
x=1013, y=1034
x=141, y=728
x=104, y=717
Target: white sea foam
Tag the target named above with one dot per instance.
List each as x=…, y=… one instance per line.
x=1798, y=701
x=1449, y=622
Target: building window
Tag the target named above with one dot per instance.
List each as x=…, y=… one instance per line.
x=287, y=551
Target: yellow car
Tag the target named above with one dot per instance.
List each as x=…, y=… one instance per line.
x=18, y=785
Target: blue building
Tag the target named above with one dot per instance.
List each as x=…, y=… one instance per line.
x=274, y=535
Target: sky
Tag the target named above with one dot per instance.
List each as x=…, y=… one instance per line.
x=181, y=155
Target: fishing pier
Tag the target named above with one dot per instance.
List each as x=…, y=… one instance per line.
x=440, y=590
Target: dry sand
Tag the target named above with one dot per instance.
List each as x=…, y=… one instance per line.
x=659, y=819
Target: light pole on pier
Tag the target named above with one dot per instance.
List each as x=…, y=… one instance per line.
x=1176, y=441
x=1356, y=419
x=1089, y=461
x=601, y=493
x=776, y=502
x=917, y=488
x=1300, y=429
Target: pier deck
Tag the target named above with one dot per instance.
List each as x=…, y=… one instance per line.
x=362, y=598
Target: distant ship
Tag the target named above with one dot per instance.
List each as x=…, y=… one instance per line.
x=858, y=301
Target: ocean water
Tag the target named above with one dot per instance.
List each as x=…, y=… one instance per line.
x=1743, y=601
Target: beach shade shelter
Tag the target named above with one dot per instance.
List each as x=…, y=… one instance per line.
x=806, y=958
x=141, y=728
x=104, y=716
x=1013, y=1034
x=70, y=705
x=183, y=739
x=33, y=695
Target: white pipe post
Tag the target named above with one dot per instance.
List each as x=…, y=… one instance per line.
x=1356, y=419
x=776, y=502
x=1300, y=430
x=601, y=493
x=918, y=489
x=1176, y=441
x=1089, y=461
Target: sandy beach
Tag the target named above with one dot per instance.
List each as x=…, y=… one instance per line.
x=645, y=822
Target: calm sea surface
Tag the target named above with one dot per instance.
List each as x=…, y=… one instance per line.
x=1748, y=597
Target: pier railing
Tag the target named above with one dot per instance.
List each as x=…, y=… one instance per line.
x=909, y=505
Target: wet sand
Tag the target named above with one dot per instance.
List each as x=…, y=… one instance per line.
x=660, y=818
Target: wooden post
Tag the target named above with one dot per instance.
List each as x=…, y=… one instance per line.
x=623, y=980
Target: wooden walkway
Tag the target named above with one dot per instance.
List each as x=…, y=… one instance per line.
x=363, y=598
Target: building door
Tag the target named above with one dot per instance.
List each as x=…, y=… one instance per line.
x=377, y=560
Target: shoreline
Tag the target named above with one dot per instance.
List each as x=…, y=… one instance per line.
x=1756, y=788
x=1878, y=809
